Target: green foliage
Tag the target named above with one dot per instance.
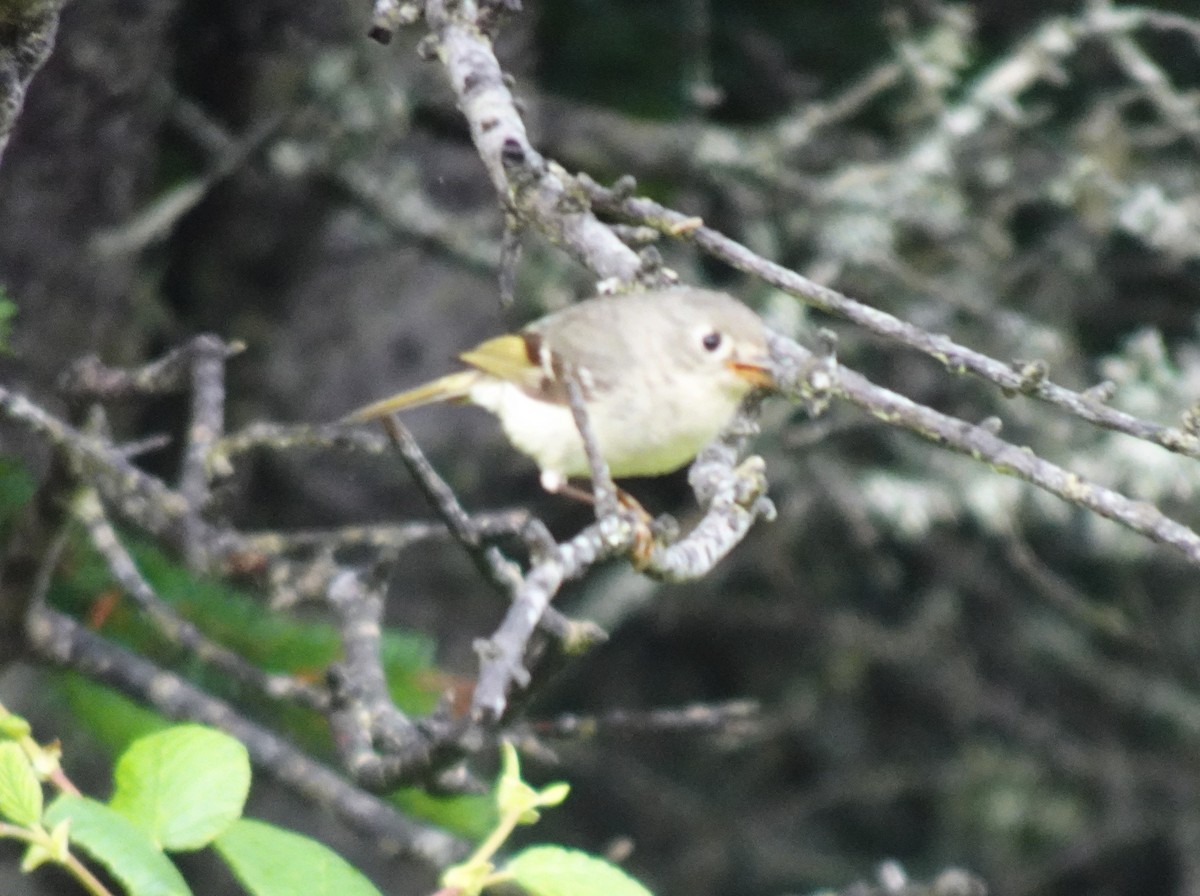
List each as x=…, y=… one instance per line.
x=468, y=815
x=555, y=871
x=8, y=310
x=183, y=788
x=237, y=619
x=109, y=716
x=17, y=487
x=272, y=641
x=20, y=790
x=272, y=862
x=116, y=721
x=125, y=850
x=541, y=870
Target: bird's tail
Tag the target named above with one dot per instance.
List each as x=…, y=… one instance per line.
x=452, y=387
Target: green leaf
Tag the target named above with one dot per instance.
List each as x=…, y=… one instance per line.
x=553, y=794
x=471, y=816
x=17, y=487
x=555, y=871
x=277, y=642
x=8, y=310
x=35, y=856
x=513, y=795
x=270, y=861
x=13, y=727
x=55, y=848
x=236, y=619
x=110, y=716
x=183, y=786
x=20, y=790
x=119, y=846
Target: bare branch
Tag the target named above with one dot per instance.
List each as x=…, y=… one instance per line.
x=91, y=379
x=28, y=38
x=538, y=191
x=981, y=443
x=736, y=720
x=88, y=510
x=61, y=640
x=380, y=746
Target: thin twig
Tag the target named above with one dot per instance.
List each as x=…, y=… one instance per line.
x=60, y=640
x=539, y=192
x=379, y=744
x=983, y=444
x=88, y=510
x=604, y=492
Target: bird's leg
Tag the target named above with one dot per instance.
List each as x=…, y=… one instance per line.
x=644, y=535
x=555, y=484
x=646, y=529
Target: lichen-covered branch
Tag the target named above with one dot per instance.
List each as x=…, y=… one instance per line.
x=982, y=443
x=730, y=490
x=89, y=511
x=27, y=29
x=540, y=193
x=380, y=745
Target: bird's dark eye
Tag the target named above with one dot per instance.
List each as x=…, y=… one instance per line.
x=711, y=341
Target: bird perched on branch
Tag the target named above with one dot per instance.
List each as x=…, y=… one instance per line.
x=661, y=373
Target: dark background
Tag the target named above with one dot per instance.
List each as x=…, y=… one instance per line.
x=954, y=670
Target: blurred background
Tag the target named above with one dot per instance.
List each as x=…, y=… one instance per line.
x=953, y=669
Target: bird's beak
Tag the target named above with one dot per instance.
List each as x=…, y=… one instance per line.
x=757, y=371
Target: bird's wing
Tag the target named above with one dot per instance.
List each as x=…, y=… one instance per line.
x=510, y=358
x=522, y=358
x=592, y=341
